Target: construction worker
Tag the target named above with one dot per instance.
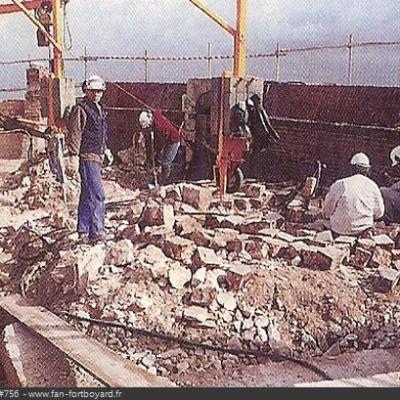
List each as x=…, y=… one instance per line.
x=391, y=194
x=158, y=123
x=87, y=139
x=353, y=203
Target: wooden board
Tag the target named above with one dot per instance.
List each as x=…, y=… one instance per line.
x=103, y=363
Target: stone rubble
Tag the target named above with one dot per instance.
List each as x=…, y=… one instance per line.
x=249, y=275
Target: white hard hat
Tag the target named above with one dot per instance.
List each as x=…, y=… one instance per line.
x=395, y=156
x=95, y=82
x=146, y=119
x=361, y=160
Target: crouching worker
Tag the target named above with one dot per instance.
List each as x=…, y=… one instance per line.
x=155, y=122
x=354, y=203
x=87, y=139
x=391, y=194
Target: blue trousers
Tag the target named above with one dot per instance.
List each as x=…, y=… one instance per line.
x=91, y=208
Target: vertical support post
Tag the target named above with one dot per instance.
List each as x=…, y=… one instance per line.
x=240, y=39
x=209, y=60
x=277, y=63
x=350, y=61
x=146, y=66
x=57, y=34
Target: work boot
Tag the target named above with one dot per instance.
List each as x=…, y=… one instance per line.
x=101, y=237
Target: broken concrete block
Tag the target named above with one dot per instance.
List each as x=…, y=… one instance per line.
x=257, y=249
x=286, y=237
x=155, y=213
x=380, y=258
x=131, y=232
x=389, y=278
x=173, y=193
x=384, y=241
x=185, y=224
x=235, y=245
x=360, y=258
x=178, y=248
x=227, y=300
x=322, y=258
x=200, y=237
x=155, y=235
x=325, y=236
x=241, y=204
x=351, y=240
x=179, y=276
x=269, y=232
x=366, y=244
x=202, y=297
x=199, y=276
x=253, y=227
x=197, y=196
x=276, y=246
x=119, y=253
x=255, y=190
x=196, y=314
x=274, y=219
x=221, y=238
x=205, y=257
x=218, y=221
x=236, y=275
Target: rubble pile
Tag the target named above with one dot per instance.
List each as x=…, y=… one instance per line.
x=249, y=273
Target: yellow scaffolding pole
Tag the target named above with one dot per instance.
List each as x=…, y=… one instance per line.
x=239, y=34
x=57, y=32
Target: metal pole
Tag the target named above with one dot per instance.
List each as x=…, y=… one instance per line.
x=277, y=63
x=240, y=39
x=57, y=34
x=350, y=61
x=146, y=66
x=209, y=60
x=86, y=63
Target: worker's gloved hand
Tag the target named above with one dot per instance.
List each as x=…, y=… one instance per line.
x=108, y=157
x=72, y=166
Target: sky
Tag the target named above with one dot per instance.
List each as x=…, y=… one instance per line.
x=176, y=27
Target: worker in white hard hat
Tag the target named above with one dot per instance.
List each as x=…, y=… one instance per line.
x=87, y=139
x=391, y=193
x=354, y=203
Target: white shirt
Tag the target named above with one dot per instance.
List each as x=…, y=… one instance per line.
x=352, y=204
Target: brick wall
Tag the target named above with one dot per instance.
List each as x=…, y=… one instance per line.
x=302, y=143
x=12, y=108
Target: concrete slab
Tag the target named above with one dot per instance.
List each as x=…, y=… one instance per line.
x=104, y=364
x=29, y=361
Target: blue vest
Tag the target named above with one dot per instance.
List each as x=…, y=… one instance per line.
x=94, y=135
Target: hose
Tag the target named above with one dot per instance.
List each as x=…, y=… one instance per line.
x=272, y=355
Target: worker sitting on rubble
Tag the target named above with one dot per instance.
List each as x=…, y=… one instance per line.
x=353, y=203
x=155, y=121
x=87, y=138
x=391, y=194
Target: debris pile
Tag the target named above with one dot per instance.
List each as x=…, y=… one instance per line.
x=246, y=274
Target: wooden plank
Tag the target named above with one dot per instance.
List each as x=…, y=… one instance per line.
x=103, y=363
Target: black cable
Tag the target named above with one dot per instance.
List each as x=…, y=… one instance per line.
x=273, y=356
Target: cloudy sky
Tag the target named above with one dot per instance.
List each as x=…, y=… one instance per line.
x=176, y=27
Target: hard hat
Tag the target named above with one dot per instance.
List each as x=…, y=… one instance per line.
x=395, y=156
x=361, y=160
x=95, y=82
x=146, y=119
